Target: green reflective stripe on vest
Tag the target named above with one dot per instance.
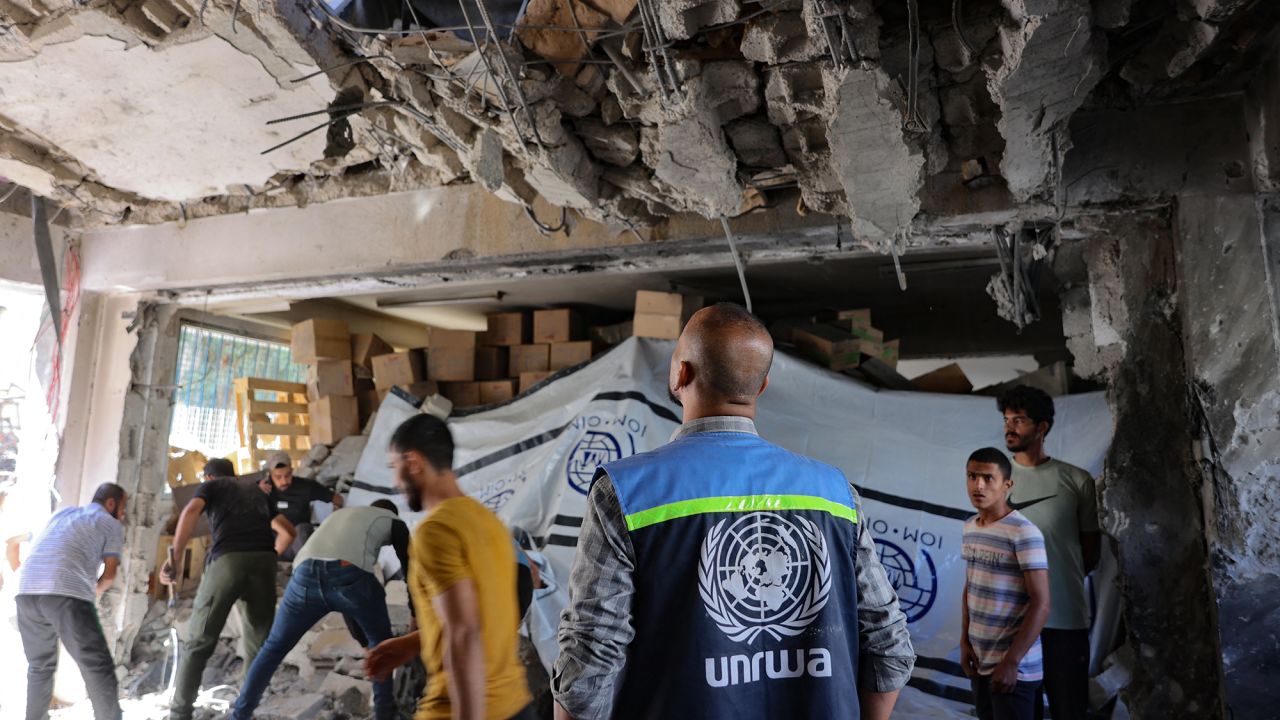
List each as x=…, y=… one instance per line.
x=737, y=503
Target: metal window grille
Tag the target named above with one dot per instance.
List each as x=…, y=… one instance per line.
x=209, y=361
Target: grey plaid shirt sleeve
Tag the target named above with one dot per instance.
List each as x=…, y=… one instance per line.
x=886, y=656
x=595, y=628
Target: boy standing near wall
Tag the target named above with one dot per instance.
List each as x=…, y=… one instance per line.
x=1006, y=595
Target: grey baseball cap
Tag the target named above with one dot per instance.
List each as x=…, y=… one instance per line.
x=279, y=459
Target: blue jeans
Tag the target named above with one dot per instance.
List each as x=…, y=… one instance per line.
x=317, y=588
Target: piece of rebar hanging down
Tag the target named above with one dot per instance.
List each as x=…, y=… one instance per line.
x=737, y=261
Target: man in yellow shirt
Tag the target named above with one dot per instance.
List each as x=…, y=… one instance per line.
x=462, y=576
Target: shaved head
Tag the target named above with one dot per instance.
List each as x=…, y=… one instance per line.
x=723, y=358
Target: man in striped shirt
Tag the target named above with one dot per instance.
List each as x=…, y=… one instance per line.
x=60, y=582
x=1006, y=595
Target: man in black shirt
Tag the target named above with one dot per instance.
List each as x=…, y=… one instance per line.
x=240, y=566
x=292, y=497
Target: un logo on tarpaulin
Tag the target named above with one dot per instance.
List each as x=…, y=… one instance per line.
x=594, y=449
x=915, y=583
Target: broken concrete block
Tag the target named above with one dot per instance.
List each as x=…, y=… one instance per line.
x=293, y=707
x=696, y=163
x=340, y=687
x=681, y=19
x=565, y=175
x=572, y=100
x=614, y=144
x=342, y=460
x=881, y=170
x=756, y=143
x=727, y=89
x=1051, y=63
x=780, y=37
x=793, y=91
x=486, y=160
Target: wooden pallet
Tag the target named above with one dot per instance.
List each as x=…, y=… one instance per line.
x=271, y=416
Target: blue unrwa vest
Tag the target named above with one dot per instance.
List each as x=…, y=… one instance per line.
x=745, y=603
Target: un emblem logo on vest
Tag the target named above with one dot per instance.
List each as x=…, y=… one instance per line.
x=764, y=573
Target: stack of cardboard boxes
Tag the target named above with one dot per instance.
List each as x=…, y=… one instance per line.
x=843, y=340
x=326, y=347
x=662, y=315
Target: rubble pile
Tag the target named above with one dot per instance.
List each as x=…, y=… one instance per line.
x=623, y=111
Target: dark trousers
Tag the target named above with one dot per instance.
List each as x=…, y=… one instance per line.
x=317, y=588
x=42, y=621
x=1066, y=674
x=1018, y=705
x=245, y=577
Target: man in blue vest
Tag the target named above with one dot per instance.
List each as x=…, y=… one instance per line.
x=722, y=577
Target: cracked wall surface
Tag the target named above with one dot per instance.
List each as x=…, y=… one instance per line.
x=1151, y=490
x=1234, y=363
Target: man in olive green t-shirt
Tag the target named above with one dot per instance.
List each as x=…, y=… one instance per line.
x=1061, y=500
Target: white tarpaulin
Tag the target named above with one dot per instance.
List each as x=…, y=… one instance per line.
x=531, y=461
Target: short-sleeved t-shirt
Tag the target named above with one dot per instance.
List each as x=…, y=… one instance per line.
x=239, y=516
x=66, y=556
x=459, y=540
x=1061, y=500
x=357, y=535
x=996, y=555
x=295, y=502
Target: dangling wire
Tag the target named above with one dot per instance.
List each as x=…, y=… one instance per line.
x=737, y=261
x=547, y=230
x=897, y=263
x=955, y=22
x=913, y=123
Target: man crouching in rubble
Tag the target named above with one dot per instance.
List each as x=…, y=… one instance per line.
x=462, y=579
x=241, y=568
x=722, y=577
x=334, y=572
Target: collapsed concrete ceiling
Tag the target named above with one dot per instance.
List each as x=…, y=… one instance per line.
x=623, y=111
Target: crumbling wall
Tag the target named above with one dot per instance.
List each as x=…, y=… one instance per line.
x=1150, y=494
x=143, y=469
x=1227, y=245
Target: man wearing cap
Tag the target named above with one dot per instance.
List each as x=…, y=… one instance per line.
x=240, y=567
x=292, y=498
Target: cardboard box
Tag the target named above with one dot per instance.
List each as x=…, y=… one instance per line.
x=558, y=325
x=313, y=340
x=566, y=355
x=664, y=327
x=659, y=303
x=854, y=318
x=368, y=402
x=514, y=328
x=889, y=353
x=365, y=347
x=530, y=358
x=649, y=302
x=330, y=377
x=529, y=379
x=334, y=417
x=831, y=347
x=401, y=368
x=496, y=391
x=451, y=364
x=441, y=338
x=949, y=379
x=612, y=334
x=461, y=394
x=492, y=363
